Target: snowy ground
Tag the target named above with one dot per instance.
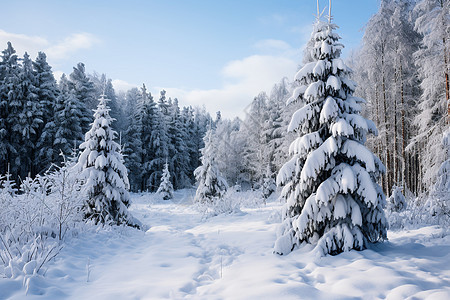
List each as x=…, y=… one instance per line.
x=184, y=255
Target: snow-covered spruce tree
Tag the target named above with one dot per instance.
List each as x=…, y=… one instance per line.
x=211, y=185
x=332, y=198
x=46, y=154
x=67, y=120
x=9, y=110
x=269, y=186
x=253, y=129
x=106, y=178
x=30, y=118
x=165, y=188
x=84, y=90
x=179, y=153
x=187, y=116
x=132, y=139
x=159, y=140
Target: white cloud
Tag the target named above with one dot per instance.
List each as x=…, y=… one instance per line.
x=22, y=42
x=272, y=45
x=57, y=74
x=258, y=70
x=243, y=80
x=304, y=32
x=71, y=44
x=274, y=19
x=122, y=85
x=55, y=51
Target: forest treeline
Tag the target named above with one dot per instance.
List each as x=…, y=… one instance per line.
x=402, y=68
x=403, y=71
x=40, y=119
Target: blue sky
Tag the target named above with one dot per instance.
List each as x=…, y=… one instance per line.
x=216, y=53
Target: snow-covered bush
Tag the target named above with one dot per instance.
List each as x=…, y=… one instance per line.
x=228, y=204
x=63, y=202
x=396, y=202
x=29, y=234
x=432, y=209
x=330, y=184
x=245, y=198
x=165, y=188
x=106, y=178
x=420, y=211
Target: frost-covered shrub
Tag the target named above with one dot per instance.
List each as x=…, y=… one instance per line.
x=396, y=208
x=35, y=218
x=421, y=211
x=432, y=209
x=218, y=206
x=27, y=240
x=246, y=198
x=64, y=201
x=25, y=254
x=396, y=202
x=230, y=203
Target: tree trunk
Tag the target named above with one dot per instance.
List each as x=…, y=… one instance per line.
x=402, y=99
x=444, y=42
x=395, y=154
x=447, y=93
x=386, y=127
x=378, y=145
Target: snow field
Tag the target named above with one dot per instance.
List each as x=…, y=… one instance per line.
x=184, y=255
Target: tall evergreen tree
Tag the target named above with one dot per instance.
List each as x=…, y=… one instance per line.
x=187, y=116
x=211, y=185
x=68, y=119
x=160, y=140
x=178, y=152
x=10, y=108
x=332, y=198
x=276, y=126
x=84, y=90
x=47, y=94
x=202, y=119
x=106, y=177
x=133, y=140
x=148, y=117
x=253, y=128
x=26, y=127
